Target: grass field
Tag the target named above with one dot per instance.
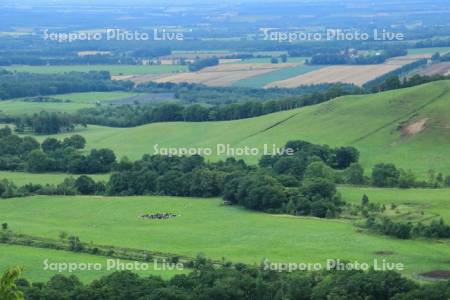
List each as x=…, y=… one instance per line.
x=22, y=178
x=441, y=50
x=368, y=122
x=77, y=101
x=261, y=80
x=434, y=201
x=206, y=226
x=32, y=261
x=113, y=69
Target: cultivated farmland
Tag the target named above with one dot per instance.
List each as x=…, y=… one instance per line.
x=356, y=74
x=224, y=74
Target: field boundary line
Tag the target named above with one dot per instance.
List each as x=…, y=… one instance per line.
x=272, y=126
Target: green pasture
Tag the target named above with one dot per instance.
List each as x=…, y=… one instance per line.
x=77, y=101
x=207, y=226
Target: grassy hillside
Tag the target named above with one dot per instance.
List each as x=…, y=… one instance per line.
x=368, y=122
x=32, y=261
x=205, y=225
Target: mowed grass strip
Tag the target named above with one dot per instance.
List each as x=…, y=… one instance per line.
x=22, y=178
x=206, y=226
x=32, y=261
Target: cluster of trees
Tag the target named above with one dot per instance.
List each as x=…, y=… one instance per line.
x=44, y=122
x=202, y=63
x=436, y=229
x=388, y=175
x=82, y=185
x=150, y=52
x=258, y=191
x=299, y=184
x=133, y=115
x=432, y=42
x=198, y=93
x=16, y=85
x=394, y=82
x=304, y=153
x=172, y=175
x=237, y=282
x=18, y=154
x=350, y=59
x=437, y=57
x=376, y=221
x=64, y=56
x=374, y=86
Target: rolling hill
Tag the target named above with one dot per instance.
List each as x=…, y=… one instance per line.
x=409, y=127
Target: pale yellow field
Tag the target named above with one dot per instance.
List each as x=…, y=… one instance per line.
x=356, y=74
x=139, y=79
x=224, y=74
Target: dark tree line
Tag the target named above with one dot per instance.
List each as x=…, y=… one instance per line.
x=70, y=57
x=374, y=85
x=198, y=93
x=44, y=122
x=402, y=230
x=350, y=59
x=20, y=154
x=16, y=85
x=388, y=175
x=202, y=63
x=394, y=82
x=291, y=184
x=300, y=184
x=134, y=115
x=239, y=282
